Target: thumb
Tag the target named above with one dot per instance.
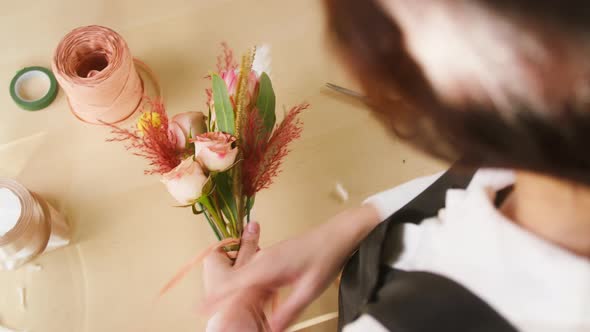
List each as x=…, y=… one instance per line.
x=289, y=310
x=249, y=244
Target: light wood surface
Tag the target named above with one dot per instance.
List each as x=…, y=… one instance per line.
x=127, y=237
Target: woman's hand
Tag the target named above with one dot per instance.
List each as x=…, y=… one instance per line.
x=217, y=269
x=308, y=263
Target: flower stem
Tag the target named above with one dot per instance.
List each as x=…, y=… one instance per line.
x=232, y=227
x=248, y=209
x=241, y=213
x=213, y=227
x=239, y=197
x=213, y=211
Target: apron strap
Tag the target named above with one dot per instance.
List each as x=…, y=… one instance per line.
x=361, y=273
x=424, y=302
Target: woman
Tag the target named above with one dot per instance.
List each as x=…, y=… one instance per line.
x=505, y=87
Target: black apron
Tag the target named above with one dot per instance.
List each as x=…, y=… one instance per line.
x=412, y=301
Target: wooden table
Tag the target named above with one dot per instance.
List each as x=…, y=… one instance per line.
x=127, y=237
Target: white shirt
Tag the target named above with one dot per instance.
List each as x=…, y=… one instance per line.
x=534, y=284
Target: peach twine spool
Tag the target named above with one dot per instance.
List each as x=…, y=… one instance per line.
x=94, y=67
x=34, y=225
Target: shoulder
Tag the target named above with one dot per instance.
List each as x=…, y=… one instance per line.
x=389, y=201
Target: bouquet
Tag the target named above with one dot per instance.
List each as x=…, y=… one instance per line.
x=215, y=164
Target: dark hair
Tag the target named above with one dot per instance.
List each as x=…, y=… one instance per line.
x=372, y=45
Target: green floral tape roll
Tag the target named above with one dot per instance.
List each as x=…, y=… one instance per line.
x=33, y=73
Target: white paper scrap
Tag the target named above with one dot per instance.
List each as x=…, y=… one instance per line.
x=22, y=296
x=5, y=329
x=34, y=267
x=341, y=192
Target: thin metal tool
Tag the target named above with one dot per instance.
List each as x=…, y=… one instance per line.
x=347, y=92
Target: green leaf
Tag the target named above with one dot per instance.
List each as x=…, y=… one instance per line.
x=228, y=203
x=251, y=202
x=224, y=111
x=211, y=223
x=266, y=102
x=249, y=206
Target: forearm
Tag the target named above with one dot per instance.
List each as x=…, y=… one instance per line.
x=355, y=224
x=358, y=223
x=350, y=227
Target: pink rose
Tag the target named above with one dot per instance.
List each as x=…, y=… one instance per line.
x=215, y=151
x=185, y=126
x=185, y=182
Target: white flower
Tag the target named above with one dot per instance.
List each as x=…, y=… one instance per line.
x=262, y=60
x=185, y=182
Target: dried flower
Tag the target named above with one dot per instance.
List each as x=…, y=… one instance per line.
x=226, y=61
x=262, y=60
x=241, y=99
x=154, y=142
x=148, y=117
x=264, y=155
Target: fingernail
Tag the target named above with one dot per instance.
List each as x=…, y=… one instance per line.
x=253, y=228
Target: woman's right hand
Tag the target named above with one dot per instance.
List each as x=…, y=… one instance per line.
x=308, y=264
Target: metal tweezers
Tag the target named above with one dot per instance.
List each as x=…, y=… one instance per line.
x=346, y=92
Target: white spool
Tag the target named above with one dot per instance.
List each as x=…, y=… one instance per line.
x=28, y=225
x=10, y=210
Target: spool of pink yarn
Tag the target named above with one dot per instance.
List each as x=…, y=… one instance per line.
x=96, y=70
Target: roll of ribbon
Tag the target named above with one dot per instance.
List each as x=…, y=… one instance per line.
x=28, y=225
x=26, y=74
x=95, y=68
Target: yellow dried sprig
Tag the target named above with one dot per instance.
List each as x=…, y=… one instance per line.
x=241, y=105
x=242, y=89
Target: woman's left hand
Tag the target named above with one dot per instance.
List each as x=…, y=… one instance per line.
x=218, y=267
